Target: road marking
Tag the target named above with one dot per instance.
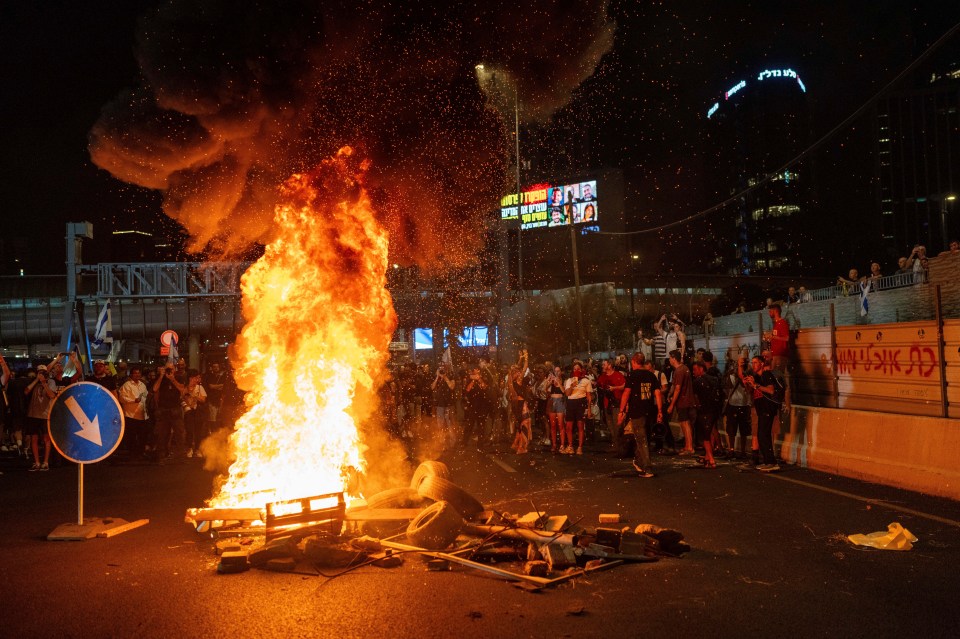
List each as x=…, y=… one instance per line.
x=499, y=463
x=868, y=500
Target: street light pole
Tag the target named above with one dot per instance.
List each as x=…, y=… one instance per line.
x=516, y=137
x=576, y=284
x=944, y=228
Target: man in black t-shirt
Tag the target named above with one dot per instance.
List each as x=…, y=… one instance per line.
x=101, y=375
x=639, y=396
x=168, y=416
x=764, y=385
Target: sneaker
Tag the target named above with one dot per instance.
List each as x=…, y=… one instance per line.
x=685, y=453
x=44, y=466
x=641, y=472
x=34, y=468
x=580, y=450
x=189, y=452
x=569, y=450
x=198, y=454
x=768, y=468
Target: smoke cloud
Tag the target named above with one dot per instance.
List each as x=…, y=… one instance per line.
x=234, y=98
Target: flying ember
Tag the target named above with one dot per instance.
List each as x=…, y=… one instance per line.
x=319, y=320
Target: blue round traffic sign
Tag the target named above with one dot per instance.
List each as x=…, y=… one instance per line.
x=86, y=422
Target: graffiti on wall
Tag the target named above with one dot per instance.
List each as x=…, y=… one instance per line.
x=913, y=360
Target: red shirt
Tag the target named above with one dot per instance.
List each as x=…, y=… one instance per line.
x=615, y=378
x=780, y=347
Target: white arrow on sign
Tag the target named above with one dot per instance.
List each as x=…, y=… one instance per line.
x=89, y=430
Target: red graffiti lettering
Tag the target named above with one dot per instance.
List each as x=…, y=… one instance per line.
x=921, y=360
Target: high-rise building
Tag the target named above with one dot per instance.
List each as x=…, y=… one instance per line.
x=918, y=163
x=757, y=126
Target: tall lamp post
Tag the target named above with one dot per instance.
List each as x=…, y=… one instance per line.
x=483, y=75
x=944, y=228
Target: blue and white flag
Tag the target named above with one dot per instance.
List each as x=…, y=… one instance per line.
x=103, y=334
x=174, y=355
x=865, y=287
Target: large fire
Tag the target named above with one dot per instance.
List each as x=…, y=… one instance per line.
x=319, y=320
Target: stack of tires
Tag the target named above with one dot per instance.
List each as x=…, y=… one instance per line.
x=437, y=525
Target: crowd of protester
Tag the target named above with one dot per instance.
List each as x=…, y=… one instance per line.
x=625, y=403
x=169, y=409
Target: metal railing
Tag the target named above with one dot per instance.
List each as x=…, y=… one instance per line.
x=168, y=279
x=881, y=284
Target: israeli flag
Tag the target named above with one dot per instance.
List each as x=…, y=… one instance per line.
x=865, y=287
x=174, y=356
x=103, y=334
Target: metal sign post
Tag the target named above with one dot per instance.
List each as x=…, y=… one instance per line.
x=86, y=425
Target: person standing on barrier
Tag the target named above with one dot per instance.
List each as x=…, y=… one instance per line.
x=779, y=338
x=766, y=389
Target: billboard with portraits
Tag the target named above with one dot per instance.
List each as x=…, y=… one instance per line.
x=552, y=205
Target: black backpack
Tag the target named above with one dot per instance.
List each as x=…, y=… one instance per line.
x=709, y=392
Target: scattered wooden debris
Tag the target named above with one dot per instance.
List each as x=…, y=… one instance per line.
x=435, y=519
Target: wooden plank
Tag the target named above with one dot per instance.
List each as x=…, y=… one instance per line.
x=572, y=575
x=196, y=515
x=122, y=527
x=540, y=581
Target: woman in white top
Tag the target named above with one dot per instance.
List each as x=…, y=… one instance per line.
x=579, y=391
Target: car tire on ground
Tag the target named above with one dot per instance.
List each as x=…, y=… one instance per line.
x=436, y=527
x=440, y=489
x=429, y=469
x=396, y=498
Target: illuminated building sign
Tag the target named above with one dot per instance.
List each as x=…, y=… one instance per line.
x=552, y=205
x=782, y=73
x=763, y=75
x=739, y=85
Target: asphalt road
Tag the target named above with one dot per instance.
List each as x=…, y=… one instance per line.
x=769, y=558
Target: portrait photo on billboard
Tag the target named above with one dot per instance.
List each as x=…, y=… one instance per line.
x=588, y=212
x=555, y=196
x=557, y=216
x=587, y=191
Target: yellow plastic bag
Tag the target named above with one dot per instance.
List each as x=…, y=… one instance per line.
x=895, y=538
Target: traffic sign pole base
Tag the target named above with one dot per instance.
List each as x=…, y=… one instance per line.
x=94, y=527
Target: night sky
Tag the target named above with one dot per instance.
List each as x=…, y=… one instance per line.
x=644, y=106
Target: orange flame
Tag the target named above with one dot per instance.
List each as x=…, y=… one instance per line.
x=319, y=320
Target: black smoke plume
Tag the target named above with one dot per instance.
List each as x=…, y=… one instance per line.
x=235, y=97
